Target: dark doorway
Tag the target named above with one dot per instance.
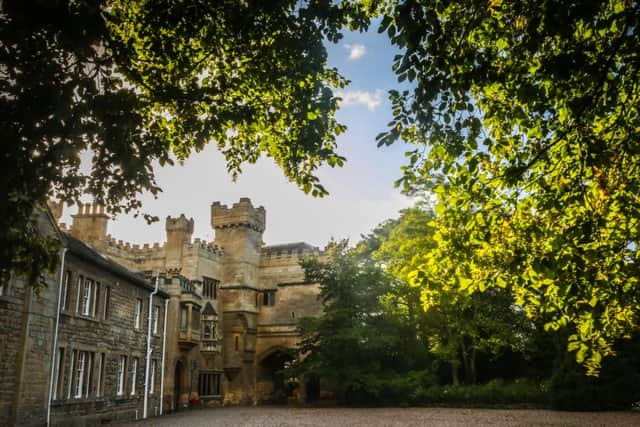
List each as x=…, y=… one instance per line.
x=177, y=385
x=312, y=389
x=272, y=368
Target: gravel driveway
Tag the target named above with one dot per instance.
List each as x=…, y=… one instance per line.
x=367, y=417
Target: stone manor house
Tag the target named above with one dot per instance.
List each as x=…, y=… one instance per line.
x=126, y=331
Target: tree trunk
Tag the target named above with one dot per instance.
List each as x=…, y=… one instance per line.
x=472, y=367
x=455, y=378
x=465, y=361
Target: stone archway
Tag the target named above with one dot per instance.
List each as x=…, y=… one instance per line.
x=271, y=384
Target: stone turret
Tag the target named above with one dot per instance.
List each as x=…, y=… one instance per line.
x=90, y=224
x=179, y=231
x=239, y=231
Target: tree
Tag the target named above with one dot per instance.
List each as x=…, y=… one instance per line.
x=362, y=352
x=457, y=323
x=529, y=115
x=135, y=82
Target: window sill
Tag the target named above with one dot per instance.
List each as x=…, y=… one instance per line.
x=82, y=316
x=76, y=401
x=212, y=397
x=10, y=299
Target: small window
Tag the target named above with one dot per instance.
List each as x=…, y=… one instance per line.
x=88, y=374
x=152, y=376
x=269, y=298
x=79, y=293
x=65, y=290
x=85, y=302
x=107, y=297
x=80, y=373
x=72, y=367
x=96, y=298
x=100, y=375
x=134, y=372
x=210, y=288
x=59, y=376
x=137, y=314
x=237, y=343
x=195, y=319
x=209, y=384
x=184, y=317
x=156, y=316
x=122, y=364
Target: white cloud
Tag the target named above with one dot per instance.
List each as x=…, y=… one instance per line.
x=361, y=97
x=356, y=51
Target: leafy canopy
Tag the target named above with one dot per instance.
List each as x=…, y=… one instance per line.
x=360, y=349
x=135, y=82
x=456, y=324
x=529, y=114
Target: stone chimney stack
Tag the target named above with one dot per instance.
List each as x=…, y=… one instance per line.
x=56, y=209
x=90, y=224
x=179, y=232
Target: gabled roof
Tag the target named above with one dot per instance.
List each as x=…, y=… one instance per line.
x=209, y=310
x=89, y=254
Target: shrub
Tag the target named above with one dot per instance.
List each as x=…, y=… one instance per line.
x=495, y=392
x=617, y=387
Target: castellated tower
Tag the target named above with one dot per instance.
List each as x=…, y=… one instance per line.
x=90, y=224
x=239, y=231
x=179, y=231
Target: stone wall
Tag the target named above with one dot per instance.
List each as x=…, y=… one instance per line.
x=26, y=327
x=106, y=334
x=27, y=321
x=245, y=269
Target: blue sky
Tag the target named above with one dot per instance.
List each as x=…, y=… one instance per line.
x=361, y=193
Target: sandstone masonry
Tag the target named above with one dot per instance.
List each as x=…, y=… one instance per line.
x=231, y=308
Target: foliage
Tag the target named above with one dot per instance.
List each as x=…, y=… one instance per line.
x=457, y=324
x=138, y=82
x=616, y=388
x=495, y=392
x=362, y=353
x=529, y=115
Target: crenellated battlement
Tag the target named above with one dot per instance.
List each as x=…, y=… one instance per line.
x=132, y=247
x=181, y=224
x=199, y=246
x=241, y=214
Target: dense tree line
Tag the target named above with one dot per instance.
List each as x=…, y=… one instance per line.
x=382, y=340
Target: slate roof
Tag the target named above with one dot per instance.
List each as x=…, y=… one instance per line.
x=290, y=247
x=89, y=254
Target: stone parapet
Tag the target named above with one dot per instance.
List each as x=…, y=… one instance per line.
x=198, y=247
x=241, y=214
